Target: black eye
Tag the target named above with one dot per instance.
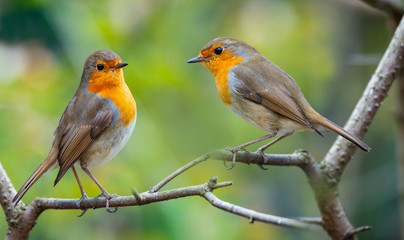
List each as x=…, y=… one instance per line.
x=100, y=67
x=218, y=50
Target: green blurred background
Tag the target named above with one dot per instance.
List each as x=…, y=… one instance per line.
x=331, y=48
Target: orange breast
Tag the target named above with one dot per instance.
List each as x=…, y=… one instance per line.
x=220, y=69
x=118, y=92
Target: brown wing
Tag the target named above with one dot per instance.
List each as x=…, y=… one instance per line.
x=77, y=138
x=271, y=87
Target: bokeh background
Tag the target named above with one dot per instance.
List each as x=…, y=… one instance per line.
x=331, y=48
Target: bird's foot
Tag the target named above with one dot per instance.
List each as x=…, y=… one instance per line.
x=107, y=198
x=78, y=204
x=234, y=150
x=265, y=157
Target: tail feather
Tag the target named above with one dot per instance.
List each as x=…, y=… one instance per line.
x=41, y=170
x=339, y=130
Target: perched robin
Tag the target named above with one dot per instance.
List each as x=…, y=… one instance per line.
x=95, y=125
x=261, y=93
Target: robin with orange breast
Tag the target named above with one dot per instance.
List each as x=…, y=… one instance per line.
x=95, y=125
x=262, y=94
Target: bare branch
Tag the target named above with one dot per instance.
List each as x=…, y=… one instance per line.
x=298, y=158
x=18, y=225
x=376, y=91
x=7, y=193
x=314, y=220
x=325, y=184
x=178, y=172
x=357, y=230
x=204, y=190
x=256, y=216
x=27, y=215
x=122, y=201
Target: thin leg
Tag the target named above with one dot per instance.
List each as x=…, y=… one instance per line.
x=235, y=150
x=83, y=193
x=263, y=148
x=106, y=194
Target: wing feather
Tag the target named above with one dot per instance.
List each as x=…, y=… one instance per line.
x=272, y=91
x=77, y=139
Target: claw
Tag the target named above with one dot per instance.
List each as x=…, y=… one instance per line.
x=112, y=211
x=233, y=163
x=83, y=197
x=265, y=157
x=262, y=167
x=107, y=198
x=234, y=150
x=78, y=204
x=83, y=212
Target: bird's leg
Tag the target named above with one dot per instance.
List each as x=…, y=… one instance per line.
x=235, y=150
x=83, y=193
x=106, y=194
x=263, y=148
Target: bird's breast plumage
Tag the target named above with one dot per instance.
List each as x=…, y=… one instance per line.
x=108, y=144
x=221, y=71
x=116, y=135
x=120, y=95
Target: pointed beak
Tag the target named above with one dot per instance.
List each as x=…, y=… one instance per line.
x=196, y=59
x=121, y=65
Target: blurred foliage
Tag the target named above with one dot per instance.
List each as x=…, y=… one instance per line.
x=330, y=48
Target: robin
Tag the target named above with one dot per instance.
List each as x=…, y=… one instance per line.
x=262, y=94
x=95, y=125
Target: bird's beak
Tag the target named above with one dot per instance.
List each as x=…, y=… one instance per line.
x=196, y=59
x=121, y=65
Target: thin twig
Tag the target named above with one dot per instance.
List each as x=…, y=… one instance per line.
x=357, y=230
x=298, y=158
x=257, y=216
x=314, y=220
x=166, y=180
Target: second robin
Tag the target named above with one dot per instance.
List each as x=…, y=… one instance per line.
x=261, y=93
x=95, y=125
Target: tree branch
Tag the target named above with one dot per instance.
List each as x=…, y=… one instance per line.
x=376, y=91
x=121, y=201
x=25, y=216
x=205, y=190
x=7, y=193
x=14, y=214
x=297, y=158
x=394, y=13
x=256, y=216
x=325, y=184
x=178, y=172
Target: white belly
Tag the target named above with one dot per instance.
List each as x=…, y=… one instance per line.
x=103, y=151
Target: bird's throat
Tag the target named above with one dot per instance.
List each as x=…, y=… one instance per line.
x=119, y=93
x=220, y=70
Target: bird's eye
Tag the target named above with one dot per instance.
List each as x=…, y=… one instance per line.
x=100, y=67
x=218, y=50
